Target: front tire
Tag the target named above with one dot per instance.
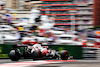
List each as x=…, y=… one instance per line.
x=64, y=55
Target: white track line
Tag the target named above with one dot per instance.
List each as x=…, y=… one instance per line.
x=26, y=63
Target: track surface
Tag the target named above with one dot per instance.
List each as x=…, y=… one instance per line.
x=49, y=63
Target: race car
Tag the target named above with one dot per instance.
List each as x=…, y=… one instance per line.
x=37, y=52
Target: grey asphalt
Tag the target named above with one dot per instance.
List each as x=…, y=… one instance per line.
x=79, y=63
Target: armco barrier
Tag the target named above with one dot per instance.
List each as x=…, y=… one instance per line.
x=98, y=54
x=91, y=53
x=75, y=51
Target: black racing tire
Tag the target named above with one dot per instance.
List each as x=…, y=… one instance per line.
x=64, y=55
x=14, y=55
x=37, y=55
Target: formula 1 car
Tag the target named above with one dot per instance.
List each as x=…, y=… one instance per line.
x=37, y=54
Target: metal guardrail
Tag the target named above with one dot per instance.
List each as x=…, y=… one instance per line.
x=91, y=53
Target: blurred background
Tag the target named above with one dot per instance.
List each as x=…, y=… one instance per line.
x=60, y=24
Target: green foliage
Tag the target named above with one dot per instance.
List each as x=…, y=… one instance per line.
x=0, y=49
x=96, y=27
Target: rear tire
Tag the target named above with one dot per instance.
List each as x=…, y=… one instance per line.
x=14, y=55
x=64, y=55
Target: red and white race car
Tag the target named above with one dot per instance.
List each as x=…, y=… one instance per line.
x=37, y=52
